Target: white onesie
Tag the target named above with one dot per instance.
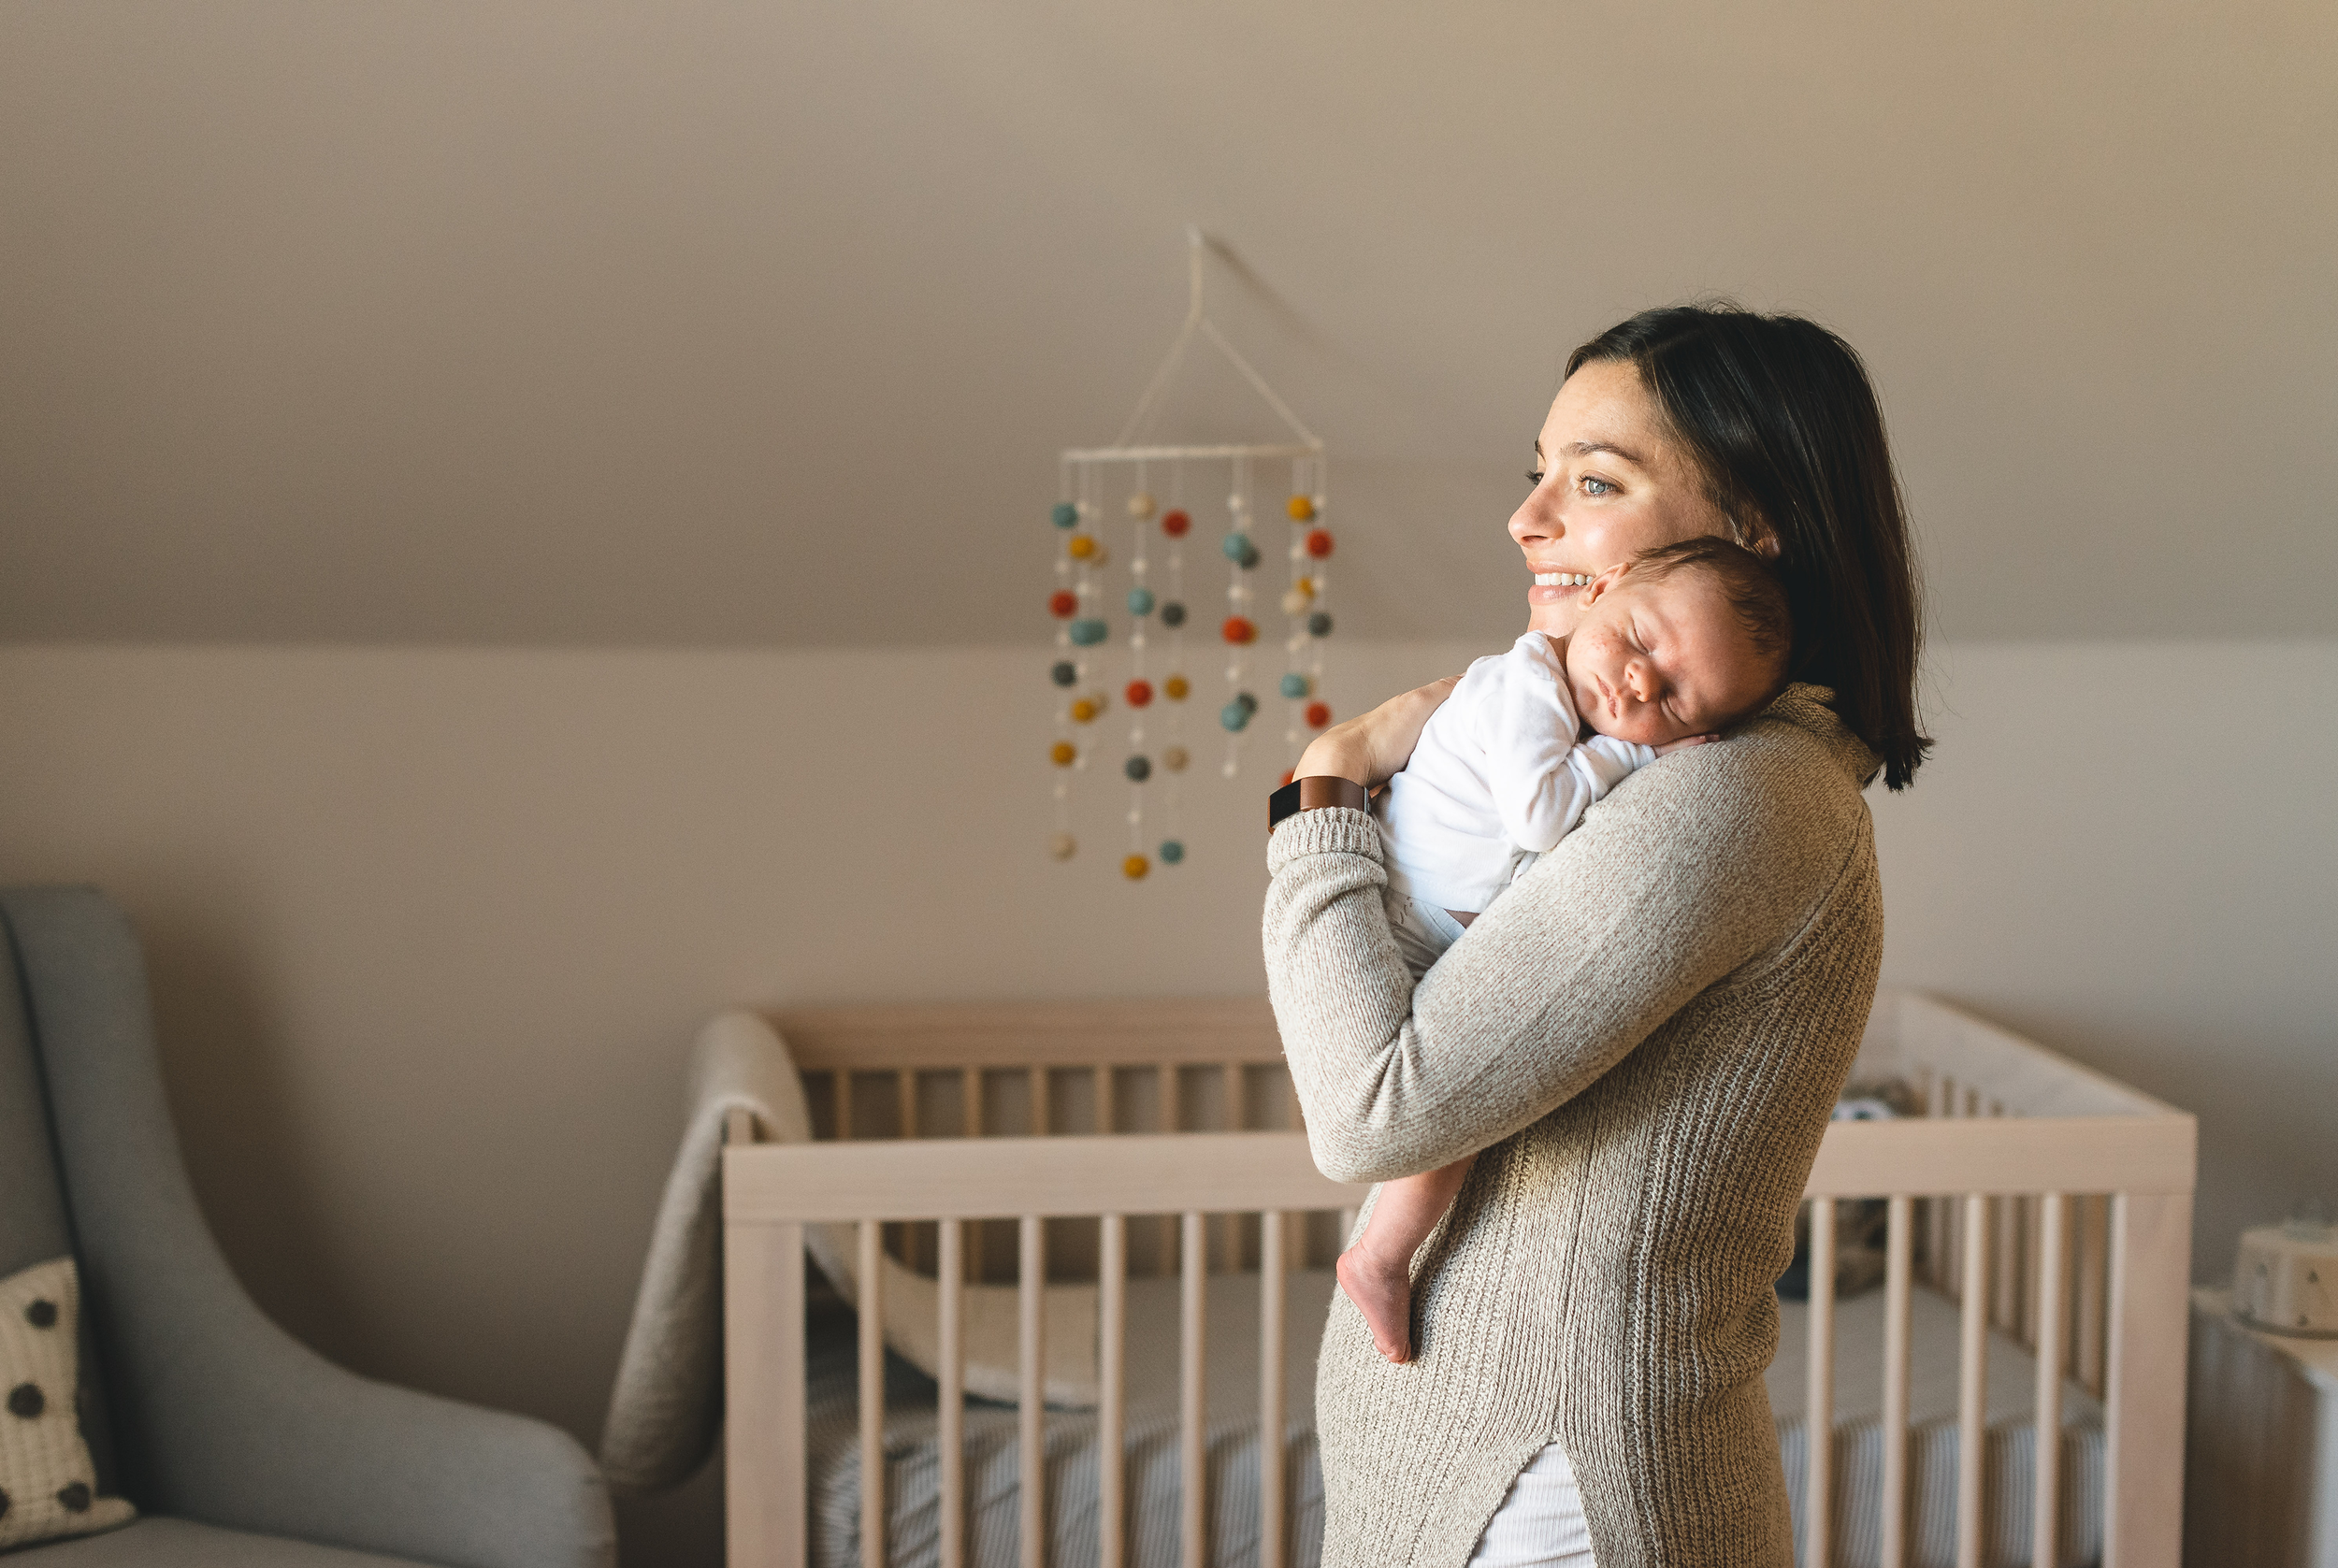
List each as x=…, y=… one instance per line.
x=1497, y=777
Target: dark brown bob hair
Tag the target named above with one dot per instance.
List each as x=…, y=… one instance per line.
x=1779, y=414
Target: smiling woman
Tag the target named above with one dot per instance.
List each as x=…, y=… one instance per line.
x=1626, y=1061
x=1763, y=429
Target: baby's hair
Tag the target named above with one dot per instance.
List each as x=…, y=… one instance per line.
x=1751, y=589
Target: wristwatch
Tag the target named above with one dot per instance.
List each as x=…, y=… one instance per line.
x=1313, y=793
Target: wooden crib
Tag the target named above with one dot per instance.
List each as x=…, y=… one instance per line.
x=1116, y=1140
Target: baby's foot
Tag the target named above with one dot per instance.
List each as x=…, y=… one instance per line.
x=1384, y=1295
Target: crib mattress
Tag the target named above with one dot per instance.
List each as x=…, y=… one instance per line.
x=913, y=1480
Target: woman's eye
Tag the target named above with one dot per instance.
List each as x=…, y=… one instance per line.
x=1596, y=487
x=1534, y=476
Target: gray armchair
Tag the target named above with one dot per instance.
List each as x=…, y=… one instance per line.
x=238, y=1445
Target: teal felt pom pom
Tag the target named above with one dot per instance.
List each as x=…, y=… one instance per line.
x=1233, y=715
x=1140, y=601
x=1294, y=684
x=1086, y=634
x=1065, y=515
x=1171, y=851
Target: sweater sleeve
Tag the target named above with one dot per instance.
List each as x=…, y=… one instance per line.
x=1539, y=777
x=1682, y=875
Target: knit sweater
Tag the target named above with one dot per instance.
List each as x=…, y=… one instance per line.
x=1644, y=1036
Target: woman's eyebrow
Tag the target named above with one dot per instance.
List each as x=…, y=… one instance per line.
x=1585, y=449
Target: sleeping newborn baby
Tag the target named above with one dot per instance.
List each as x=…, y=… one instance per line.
x=1669, y=648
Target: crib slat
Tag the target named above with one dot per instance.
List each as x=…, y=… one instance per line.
x=1972, y=1379
x=1897, y=1298
x=1039, y=1108
x=2094, y=1273
x=1270, y=1388
x=1230, y=1225
x=872, y=1304
x=2045, y=1533
x=1818, y=1405
x=1112, y=1328
x=842, y=1080
x=951, y=1395
x=1168, y=1120
x=2006, y=1266
x=1108, y=1119
x=1030, y=1304
x=905, y=1112
x=1193, y=1343
x=970, y=1090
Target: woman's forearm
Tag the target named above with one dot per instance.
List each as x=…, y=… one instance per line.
x=1372, y=747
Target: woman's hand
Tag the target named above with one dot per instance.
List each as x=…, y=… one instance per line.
x=1372, y=747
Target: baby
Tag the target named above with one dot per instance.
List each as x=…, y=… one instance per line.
x=1668, y=649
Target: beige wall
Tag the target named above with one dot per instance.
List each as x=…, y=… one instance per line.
x=700, y=322
x=431, y=928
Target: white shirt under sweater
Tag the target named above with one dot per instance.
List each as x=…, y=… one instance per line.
x=1497, y=776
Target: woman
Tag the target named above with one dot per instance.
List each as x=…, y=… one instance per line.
x=1646, y=1033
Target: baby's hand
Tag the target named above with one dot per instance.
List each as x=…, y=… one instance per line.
x=1684, y=743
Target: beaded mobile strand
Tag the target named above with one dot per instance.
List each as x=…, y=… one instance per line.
x=1078, y=602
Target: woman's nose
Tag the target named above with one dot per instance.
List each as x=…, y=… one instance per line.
x=1537, y=519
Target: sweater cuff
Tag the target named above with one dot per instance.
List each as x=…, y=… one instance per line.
x=1330, y=831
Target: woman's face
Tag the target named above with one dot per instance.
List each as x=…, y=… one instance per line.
x=1612, y=484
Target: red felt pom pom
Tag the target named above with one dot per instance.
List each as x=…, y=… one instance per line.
x=1319, y=542
x=1139, y=692
x=1238, y=629
x=1319, y=714
x=1175, y=524
x=1063, y=604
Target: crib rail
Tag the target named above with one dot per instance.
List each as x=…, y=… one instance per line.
x=2050, y=1203
x=771, y=1192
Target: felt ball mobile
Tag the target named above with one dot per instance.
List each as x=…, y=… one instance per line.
x=1103, y=490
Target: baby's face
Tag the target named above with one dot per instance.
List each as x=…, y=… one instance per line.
x=1654, y=662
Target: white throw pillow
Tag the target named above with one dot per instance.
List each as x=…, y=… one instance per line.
x=48, y=1482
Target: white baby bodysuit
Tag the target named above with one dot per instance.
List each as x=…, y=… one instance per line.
x=1497, y=776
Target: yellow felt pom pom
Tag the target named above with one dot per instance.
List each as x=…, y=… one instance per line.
x=1083, y=710
x=1063, y=754
x=1175, y=688
x=1301, y=509
x=1135, y=867
x=1081, y=546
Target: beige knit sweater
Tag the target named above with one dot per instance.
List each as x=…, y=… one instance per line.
x=1645, y=1035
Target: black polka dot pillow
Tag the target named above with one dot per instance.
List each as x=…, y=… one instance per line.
x=48, y=1486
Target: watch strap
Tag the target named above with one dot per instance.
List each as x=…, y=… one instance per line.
x=1314, y=792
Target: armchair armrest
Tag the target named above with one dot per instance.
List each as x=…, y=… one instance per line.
x=240, y=1424
x=218, y=1413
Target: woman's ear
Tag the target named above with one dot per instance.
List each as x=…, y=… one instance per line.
x=1756, y=536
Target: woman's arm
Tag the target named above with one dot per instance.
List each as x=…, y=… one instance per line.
x=1373, y=747
x=1684, y=875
